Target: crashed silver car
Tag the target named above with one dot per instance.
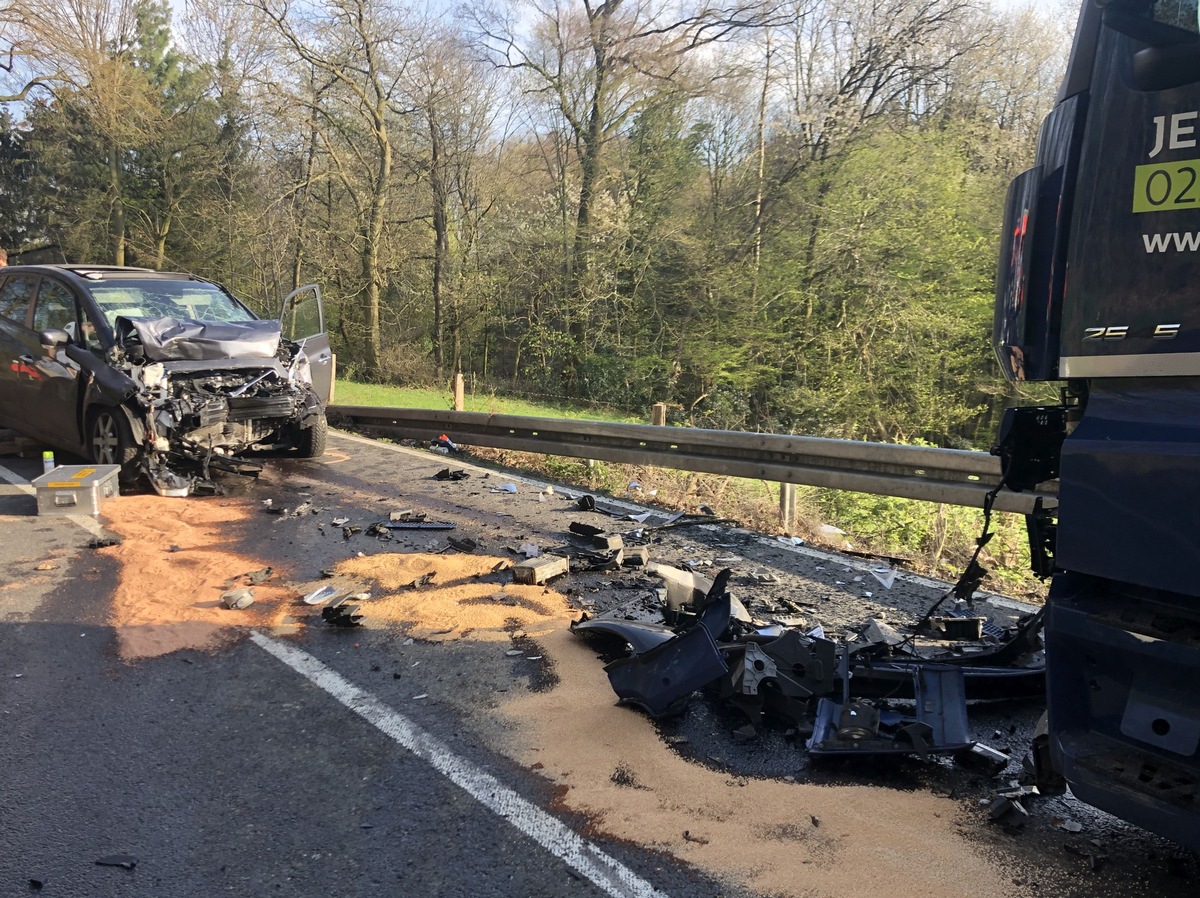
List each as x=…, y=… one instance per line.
x=166, y=374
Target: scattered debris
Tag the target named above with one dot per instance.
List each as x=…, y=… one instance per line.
x=507, y=488
x=338, y=614
x=127, y=861
x=541, y=569
x=1001, y=807
x=1067, y=825
x=641, y=636
x=884, y=575
x=982, y=758
x=46, y=566
x=635, y=556
x=238, y=599
x=259, y=577
x=447, y=474
x=416, y=523
x=462, y=544
x=319, y=595
x=103, y=542
x=883, y=690
x=958, y=628
x=661, y=680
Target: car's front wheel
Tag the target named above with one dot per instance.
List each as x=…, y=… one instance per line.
x=110, y=439
x=310, y=441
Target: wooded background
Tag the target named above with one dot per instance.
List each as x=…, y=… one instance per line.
x=772, y=216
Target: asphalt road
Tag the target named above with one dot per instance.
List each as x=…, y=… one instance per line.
x=306, y=768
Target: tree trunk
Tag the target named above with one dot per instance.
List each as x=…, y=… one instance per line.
x=760, y=180
x=116, y=207
x=370, y=255
x=441, y=245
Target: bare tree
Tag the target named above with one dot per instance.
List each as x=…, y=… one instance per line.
x=362, y=47
x=596, y=65
x=452, y=92
x=855, y=61
x=81, y=50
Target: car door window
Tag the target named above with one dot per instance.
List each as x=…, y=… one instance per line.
x=55, y=308
x=15, y=297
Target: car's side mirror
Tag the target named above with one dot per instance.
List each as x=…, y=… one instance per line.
x=52, y=338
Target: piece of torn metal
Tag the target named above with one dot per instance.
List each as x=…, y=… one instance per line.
x=982, y=758
x=319, y=595
x=166, y=482
x=939, y=724
x=660, y=680
x=893, y=678
x=877, y=632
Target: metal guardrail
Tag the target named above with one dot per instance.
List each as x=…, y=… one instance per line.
x=951, y=476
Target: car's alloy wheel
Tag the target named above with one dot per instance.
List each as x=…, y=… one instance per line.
x=111, y=441
x=106, y=439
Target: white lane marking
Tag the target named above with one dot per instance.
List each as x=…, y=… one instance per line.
x=605, y=872
x=88, y=523
x=16, y=480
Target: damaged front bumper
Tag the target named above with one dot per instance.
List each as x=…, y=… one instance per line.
x=204, y=393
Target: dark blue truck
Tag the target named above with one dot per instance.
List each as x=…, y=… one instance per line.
x=1099, y=289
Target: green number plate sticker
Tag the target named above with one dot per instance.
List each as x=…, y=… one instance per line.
x=1167, y=186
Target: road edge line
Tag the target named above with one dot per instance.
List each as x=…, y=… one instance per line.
x=603, y=871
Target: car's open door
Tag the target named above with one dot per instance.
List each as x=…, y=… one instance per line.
x=302, y=318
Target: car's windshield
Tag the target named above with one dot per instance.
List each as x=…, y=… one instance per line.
x=146, y=298
x=1179, y=13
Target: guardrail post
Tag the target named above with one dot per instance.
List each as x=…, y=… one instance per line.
x=459, y=400
x=787, y=505
x=658, y=414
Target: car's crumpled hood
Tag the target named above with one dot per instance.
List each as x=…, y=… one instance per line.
x=183, y=339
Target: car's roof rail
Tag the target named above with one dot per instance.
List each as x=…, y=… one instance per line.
x=98, y=272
